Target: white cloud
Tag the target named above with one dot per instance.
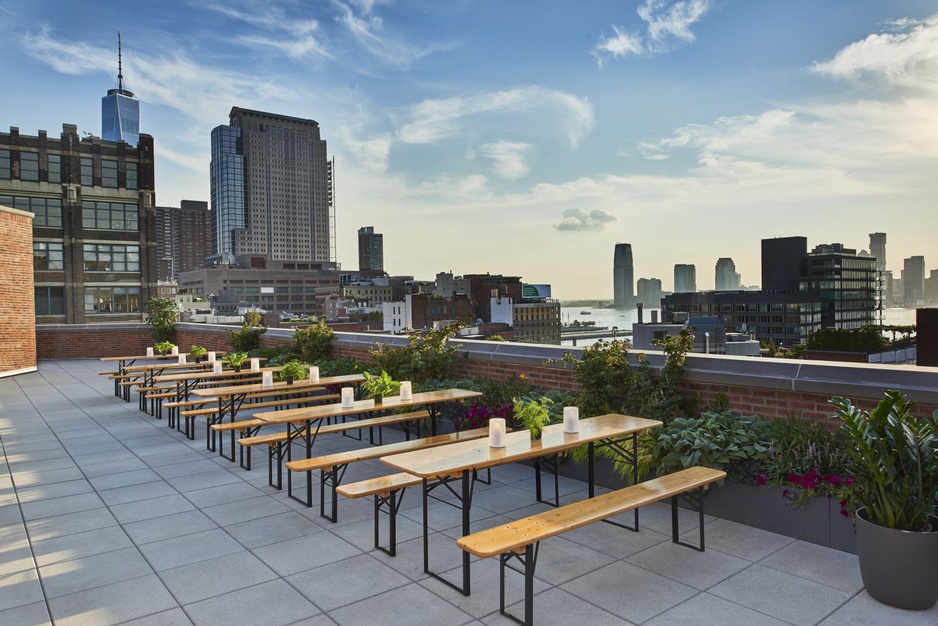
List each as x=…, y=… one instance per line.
x=667, y=25
x=369, y=32
x=433, y=120
x=577, y=219
x=296, y=37
x=508, y=158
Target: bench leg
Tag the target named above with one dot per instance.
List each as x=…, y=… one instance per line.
x=393, y=502
x=528, y=560
x=273, y=452
x=551, y=465
x=675, y=531
x=332, y=477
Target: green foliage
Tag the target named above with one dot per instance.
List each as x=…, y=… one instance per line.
x=532, y=415
x=297, y=370
x=716, y=440
x=197, y=352
x=164, y=347
x=502, y=391
x=426, y=356
x=495, y=338
x=380, y=386
x=162, y=318
x=338, y=367
x=236, y=359
x=720, y=404
x=248, y=338
x=769, y=346
x=867, y=339
x=312, y=343
x=894, y=461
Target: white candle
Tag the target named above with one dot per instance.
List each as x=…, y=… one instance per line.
x=255, y=364
x=348, y=397
x=571, y=419
x=313, y=374
x=216, y=367
x=175, y=350
x=211, y=356
x=182, y=358
x=406, y=393
x=150, y=351
x=497, y=432
x=267, y=379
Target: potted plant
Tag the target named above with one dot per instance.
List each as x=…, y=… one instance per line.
x=164, y=347
x=236, y=360
x=294, y=370
x=532, y=415
x=894, y=461
x=197, y=352
x=380, y=387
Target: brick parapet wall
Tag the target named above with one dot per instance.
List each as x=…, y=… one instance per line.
x=764, y=387
x=18, y=326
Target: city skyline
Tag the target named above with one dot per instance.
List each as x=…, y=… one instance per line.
x=529, y=141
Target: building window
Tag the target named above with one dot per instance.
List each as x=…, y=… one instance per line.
x=109, y=174
x=87, y=172
x=112, y=299
x=29, y=166
x=6, y=165
x=55, y=168
x=109, y=216
x=131, y=176
x=48, y=211
x=48, y=256
x=50, y=300
x=110, y=258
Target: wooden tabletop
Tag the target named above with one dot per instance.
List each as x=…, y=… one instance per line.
x=364, y=406
x=297, y=386
x=143, y=356
x=478, y=454
x=209, y=374
x=146, y=367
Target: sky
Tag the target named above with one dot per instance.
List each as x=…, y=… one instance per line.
x=528, y=137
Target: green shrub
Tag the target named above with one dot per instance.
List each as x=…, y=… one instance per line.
x=248, y=338
x=162, y=318
x=312, y=343
x=425, y=356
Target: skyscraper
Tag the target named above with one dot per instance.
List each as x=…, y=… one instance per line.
x=846, y=284
x=623, y=276
x=649, y=292
x=726, y=278
x=271, y=185
x=120, y=111
x=878, y=249
x=183, y=237
x=370, y=250
x=913, y=282
x=685, y=278
x=783, y=263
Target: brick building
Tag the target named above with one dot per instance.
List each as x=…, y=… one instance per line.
x=18, y=330
x=183, y=237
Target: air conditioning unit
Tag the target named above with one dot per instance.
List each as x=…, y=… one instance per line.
x=679, y=317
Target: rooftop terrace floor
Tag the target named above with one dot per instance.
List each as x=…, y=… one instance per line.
x=109, y=517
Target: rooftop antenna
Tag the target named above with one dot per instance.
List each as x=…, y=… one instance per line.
x=120, y=72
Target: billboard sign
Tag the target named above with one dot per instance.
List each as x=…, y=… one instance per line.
x=534, y=292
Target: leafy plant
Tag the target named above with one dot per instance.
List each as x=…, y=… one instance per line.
x=894, y=460
x=164, y=347
x=248, y=338
x=197, y=352
x=532, y=415
x=294, y=370
x=426, y=356
x=478, y=415
x=162, y=318
x=312, y=343
x=380, y=386
x=236, y=359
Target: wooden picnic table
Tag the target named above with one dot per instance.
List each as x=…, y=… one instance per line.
x=123, y=362
x=149, y=372
x=188, y=382
x=461, y=461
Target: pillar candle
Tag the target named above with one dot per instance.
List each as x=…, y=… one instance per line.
x=255, y=364
x=211, y=357
x=348, y=397
x=267, y=379
x=313, y=374
x=216, y=367
x=497, y=432
x=175, y=350
x=571, y=419
x=406, y=393
x=182, y=358
x=150, y=351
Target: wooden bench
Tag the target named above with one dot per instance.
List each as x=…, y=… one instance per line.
x=387, y=492
x=520, y=540
x=332, y=466
x=275, y=442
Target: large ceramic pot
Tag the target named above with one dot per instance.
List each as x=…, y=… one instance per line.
x=899, y=567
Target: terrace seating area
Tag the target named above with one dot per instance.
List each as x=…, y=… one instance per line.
x=110, y=516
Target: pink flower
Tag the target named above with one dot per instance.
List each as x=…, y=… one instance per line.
x=761, y=480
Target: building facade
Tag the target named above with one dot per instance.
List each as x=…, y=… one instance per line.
x=725, y=276
x=649, y=292
x=623, y=276
x=272, y=189
x=120, y=110
x=94, y=230
x=183, y=238
x=685, y=278
x=913, y=282
x=370, y=251
x=878, y=249
x=783, y=263
x=845, y=282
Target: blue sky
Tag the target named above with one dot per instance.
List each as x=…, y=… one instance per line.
x=528, y=137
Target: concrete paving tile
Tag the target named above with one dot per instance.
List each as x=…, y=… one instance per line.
x=70, y=524
x=86, y=461
x=29, y=466
x=274, y=529
x=352, y=580
x=223, y=494
x=123, y=479
x=186, y=469
x=560, y=560
x=80, y=545
x=55, y=490
x=244, y=510
x=75, y=575
x=15, y=555
x=700, y=570
x=35, y=614
x=46, y=454
x=555, y=606
x=61, y=506
x=862, y=610
x=172, y=617
x=135, y=493
x=298, y=555
x=771, y=591
x=740, y=540
x=151, y=508
x=112, y=604
x=268, y=604
x=648, y=594
x=411, y=605
x=114, y=467
x=192, y=548
x=19, y=589
x=213, y=577
x=705, y=610
x=168, y=526
x=204, y=480
x=10, y=514
x=361, y=534
x=840, y=570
